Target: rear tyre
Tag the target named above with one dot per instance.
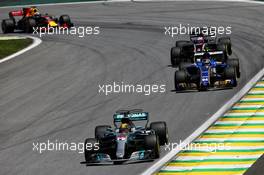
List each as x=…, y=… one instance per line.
x=101, y=130
x=184, y=65
x=179, y=77
x=152, y=143
x=90, y=148
x=8, y=26
x=202, y=88
x=230, y=73
x=161, y=131
x=222, y=47
x=181, y=43
x=175, y=56
x=234, y=63
x=227, y=42
x=29, y=25
x=187, y=48
x=65, y=19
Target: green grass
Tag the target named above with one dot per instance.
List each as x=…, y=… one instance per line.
x=8, y=47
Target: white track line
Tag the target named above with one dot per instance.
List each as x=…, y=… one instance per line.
x=36, y=42
x=11, y=37
x=229, y=148
x=241, y=122
x=245, y=114
x=249, y=139
x=256, y=92
x=210, y=157
x=233, y=130
x=201, y=167
x=246, y=106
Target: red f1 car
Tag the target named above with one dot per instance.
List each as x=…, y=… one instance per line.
x=31, y=18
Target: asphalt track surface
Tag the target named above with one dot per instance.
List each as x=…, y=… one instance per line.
x=51, y=92
x=257, y=168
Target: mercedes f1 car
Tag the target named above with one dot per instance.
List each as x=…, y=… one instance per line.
x=184, y=50
x=31, y=18
x=126, y=141
x=207, y=72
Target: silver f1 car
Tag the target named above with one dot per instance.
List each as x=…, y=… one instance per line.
x=126, y=142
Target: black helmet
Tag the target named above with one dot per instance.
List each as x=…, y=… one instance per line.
x=206, y=55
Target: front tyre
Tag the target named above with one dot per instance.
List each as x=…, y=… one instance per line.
x=152, y=143
x=30, y=23
x=161, y=131
x=101, y=130
x=91, y=146
x=234, y=62
x=65, y=20
x=175, y=56
x=230, y=73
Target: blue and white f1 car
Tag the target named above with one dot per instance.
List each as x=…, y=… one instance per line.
x=126, y=141
x=209, y=70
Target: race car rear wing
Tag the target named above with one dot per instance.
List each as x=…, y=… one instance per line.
x=132, y=115
x=217, y=55
x=211, y=53
x=16, y=13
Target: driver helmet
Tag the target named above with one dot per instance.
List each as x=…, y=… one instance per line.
x=200, y=40
x=206, y=57
x=206, y=48
x=125, y=125
x=34, y=11
x=124, y=128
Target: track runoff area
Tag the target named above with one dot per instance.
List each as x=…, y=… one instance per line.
x=237, y=136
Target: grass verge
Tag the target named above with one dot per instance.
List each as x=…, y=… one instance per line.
x=8, y=47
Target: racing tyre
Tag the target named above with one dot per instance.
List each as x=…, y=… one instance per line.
x=65, y=19
x=230, y=73
x=152, y=143
x=184, y=65
x=8, y=26
x=161, y=131
x=202, y=88
x=181, y=43
x=30, y=24
x=175, y=56
x=227, y=42
x=179, y=77
x=234, y=62
x=222, y=47
x=91, y=146
x=187, y=48
x=101, y=130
